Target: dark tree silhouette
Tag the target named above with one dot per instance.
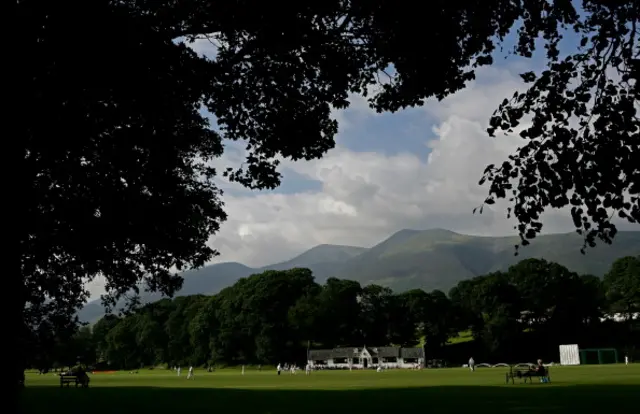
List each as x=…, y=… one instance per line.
x=113, y=174
x=583, y=144
x=623, y=286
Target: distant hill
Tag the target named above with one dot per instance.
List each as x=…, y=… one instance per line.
x=438, y=259
x=324, y=260
x=429, y=259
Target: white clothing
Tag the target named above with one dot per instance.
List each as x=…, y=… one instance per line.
x=190, y=374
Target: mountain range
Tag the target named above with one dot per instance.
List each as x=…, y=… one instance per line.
x=426, y=259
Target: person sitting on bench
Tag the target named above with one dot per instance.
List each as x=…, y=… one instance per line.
x=542, y=372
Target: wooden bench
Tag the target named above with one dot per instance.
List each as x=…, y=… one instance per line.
x=77, y=379
x=526, y=375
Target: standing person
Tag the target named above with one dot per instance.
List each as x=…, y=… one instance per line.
x=190, y=373
x=179, y=370
x=626, y=359
x=279, y=368
x=307, y=369
x=472, y=364
x=243, y=370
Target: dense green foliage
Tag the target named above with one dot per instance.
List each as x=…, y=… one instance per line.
x=273, y=316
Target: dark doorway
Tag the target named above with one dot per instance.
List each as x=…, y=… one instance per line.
x=365, y=362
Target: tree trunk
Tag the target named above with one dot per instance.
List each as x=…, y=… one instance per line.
x=19, y=190
x=15, y=339
x=13, y=307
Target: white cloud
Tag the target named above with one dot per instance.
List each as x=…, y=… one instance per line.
x=478, y=101
x=95, y=287
x=365, y=197
x=206, y=46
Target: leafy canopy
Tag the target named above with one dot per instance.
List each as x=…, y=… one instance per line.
x=283, y=70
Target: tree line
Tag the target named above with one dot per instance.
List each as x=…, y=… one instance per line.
x=522, y=313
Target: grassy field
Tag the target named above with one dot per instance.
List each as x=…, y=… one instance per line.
x=593, y=389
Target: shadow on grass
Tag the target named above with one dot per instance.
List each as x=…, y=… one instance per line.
x=536, y=398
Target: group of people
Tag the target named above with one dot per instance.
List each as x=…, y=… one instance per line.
x=189, y=373
x=293, y=368
x=539, y=368
x=307, y=369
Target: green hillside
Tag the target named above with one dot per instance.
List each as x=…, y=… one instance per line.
x=324, y=260
x=324, y=253
x=438, y=259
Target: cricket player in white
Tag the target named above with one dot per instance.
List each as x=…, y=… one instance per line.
x=279, y=368
x=190, y=373
x=626, y=359
x=179, y=371
x=472, y=364
x=307, y=369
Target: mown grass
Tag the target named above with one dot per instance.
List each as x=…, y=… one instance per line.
x=593, y=389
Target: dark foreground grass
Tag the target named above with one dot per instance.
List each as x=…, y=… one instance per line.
x=612, y=389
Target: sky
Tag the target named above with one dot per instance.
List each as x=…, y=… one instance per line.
x=415, y=169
